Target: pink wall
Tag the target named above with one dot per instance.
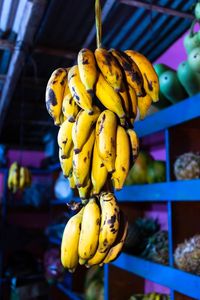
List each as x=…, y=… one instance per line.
x=26, y=158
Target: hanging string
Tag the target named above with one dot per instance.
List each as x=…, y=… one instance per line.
x=98, y=23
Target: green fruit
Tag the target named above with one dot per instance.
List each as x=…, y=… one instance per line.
x=188, y=78
x=191, y=41
x=194, y=59
x=171, y=87
x=197, y=11
x=161, y=68
x=156, y=171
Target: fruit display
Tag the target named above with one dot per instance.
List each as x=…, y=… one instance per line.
x=54, y=271
x=187, y=255
x=150, y=296
x=94, y=285
x=146, y=170
x=95, y=103
x=187, y=166
x=19, y=177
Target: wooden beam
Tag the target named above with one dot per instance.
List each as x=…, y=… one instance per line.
x=105, y=11
x=160, y=9
x=29, y=24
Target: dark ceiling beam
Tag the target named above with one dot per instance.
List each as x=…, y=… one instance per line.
x=160, y=9
x=29, y=24
x=105, y=11
x=28, y=81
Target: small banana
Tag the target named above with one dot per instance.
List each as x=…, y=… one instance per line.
x=82, y=162
x=97, y=258
x=131, y=70
x=71, y=181
x=70, y=241
x=83, y=128
x=122, y=161
x=99, y=172
x=70, y=108
x=118, y=244
x=150, y=78
x=124, y=94
x=54, y=94
x=110, y=68
x=13, y=176
x=108, y=97
x=66, y=162
x=133, y=103
x=106, y=128
x=22, y=178
x=84, y=192
x=110, y=220
x=65, y=142
x=78, y=91
x=144, y=103
x=90, y=227
x=87, y=69
x=134, y=144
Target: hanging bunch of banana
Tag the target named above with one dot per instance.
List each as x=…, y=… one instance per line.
x=95, y=103
x=18, y=177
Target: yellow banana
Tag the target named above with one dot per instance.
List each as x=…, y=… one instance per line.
x=66, y=162
x=84, y=192
x=87, y=69
x=83, y=127
x=110, y=220
x=117, y=246
x=134, y=144
x=122, y=161
x=70, y=241
x=70, y=108
x=108, y=97
x=78, y=91
x=131, y=70
x=71, y=181
x=144, y=103
x=99, y=172
x=54, y=94
x=124, y=94
x=150, y=78
x=22, y=178
x=90, y=227
x=133, y=103
x=65, y=142
x=97, y=258
x=110, y=68
x=82, y=161
x=106, y=127
x=13, y=171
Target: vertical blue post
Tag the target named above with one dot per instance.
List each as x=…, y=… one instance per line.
x=169, y=205
x=106, y=282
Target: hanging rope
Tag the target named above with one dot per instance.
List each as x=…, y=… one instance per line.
x=98, y=23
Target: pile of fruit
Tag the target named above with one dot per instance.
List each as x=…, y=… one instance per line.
x=95, y=103
x=19, y=177
x=187, y=166
x=150, y=296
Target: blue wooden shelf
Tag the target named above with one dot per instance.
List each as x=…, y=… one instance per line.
x=187, y=190
x=55, y=241
x=174, y=115
x=72, y=295
x=185, y=283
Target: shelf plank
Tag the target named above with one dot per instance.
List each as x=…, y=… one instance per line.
x=187, y=190
x=185, y=283
x=68, y=292
x=55, y=241
x=175, y=114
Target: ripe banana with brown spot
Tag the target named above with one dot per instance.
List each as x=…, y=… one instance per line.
x=64, y=138
x=54, y=94
x=106, y=128
x=82, y=161
x=90, y=227
x=78, y=91
x=96, y=259
x=99, y=172
x=84, y=192
x=122, y=161
x=110, y=220
x=150, y=78
x=133, y=103
x=124, y=94
x=66, y=163
x=108, y=97
x=71, y=181
x=115, y=250
x=110, y=68
x=69, y=107
x=134, y=145
x=144, y=103
x=131, y=70
x=70, y=241
x=87, y=69
x=83, y=127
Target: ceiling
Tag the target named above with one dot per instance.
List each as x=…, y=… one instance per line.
x=38, y=36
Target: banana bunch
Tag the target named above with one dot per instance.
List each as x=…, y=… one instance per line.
x=95, y=235
x=18, y=177
x=150, y=296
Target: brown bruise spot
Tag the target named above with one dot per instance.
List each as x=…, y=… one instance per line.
x=97, y=221
x=149, y=83
x=85, y=61
x=112, y=220
x=101, y=165
x=113, y=230
x=63, y=156
x=105, y=242
x=54, y=81
x=102, y=123
x=123, y=169
x=85, y=159
x=70, y=101
x=88, y=154
x=112, y=142
x=51, y=100
x=80, y=226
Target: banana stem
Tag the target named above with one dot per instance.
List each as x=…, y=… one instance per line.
x=98, y=22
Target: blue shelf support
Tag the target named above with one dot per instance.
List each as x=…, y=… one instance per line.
x=106, y=282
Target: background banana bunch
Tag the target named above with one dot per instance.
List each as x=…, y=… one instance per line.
x=95, y=103
x=18, y=177
x=150, y=296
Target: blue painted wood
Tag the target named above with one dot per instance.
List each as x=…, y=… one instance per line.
x=69, y=293
x=55, y=241
x=175, y=114
x=187, y=190
x=185, y=283
x=106, y=282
